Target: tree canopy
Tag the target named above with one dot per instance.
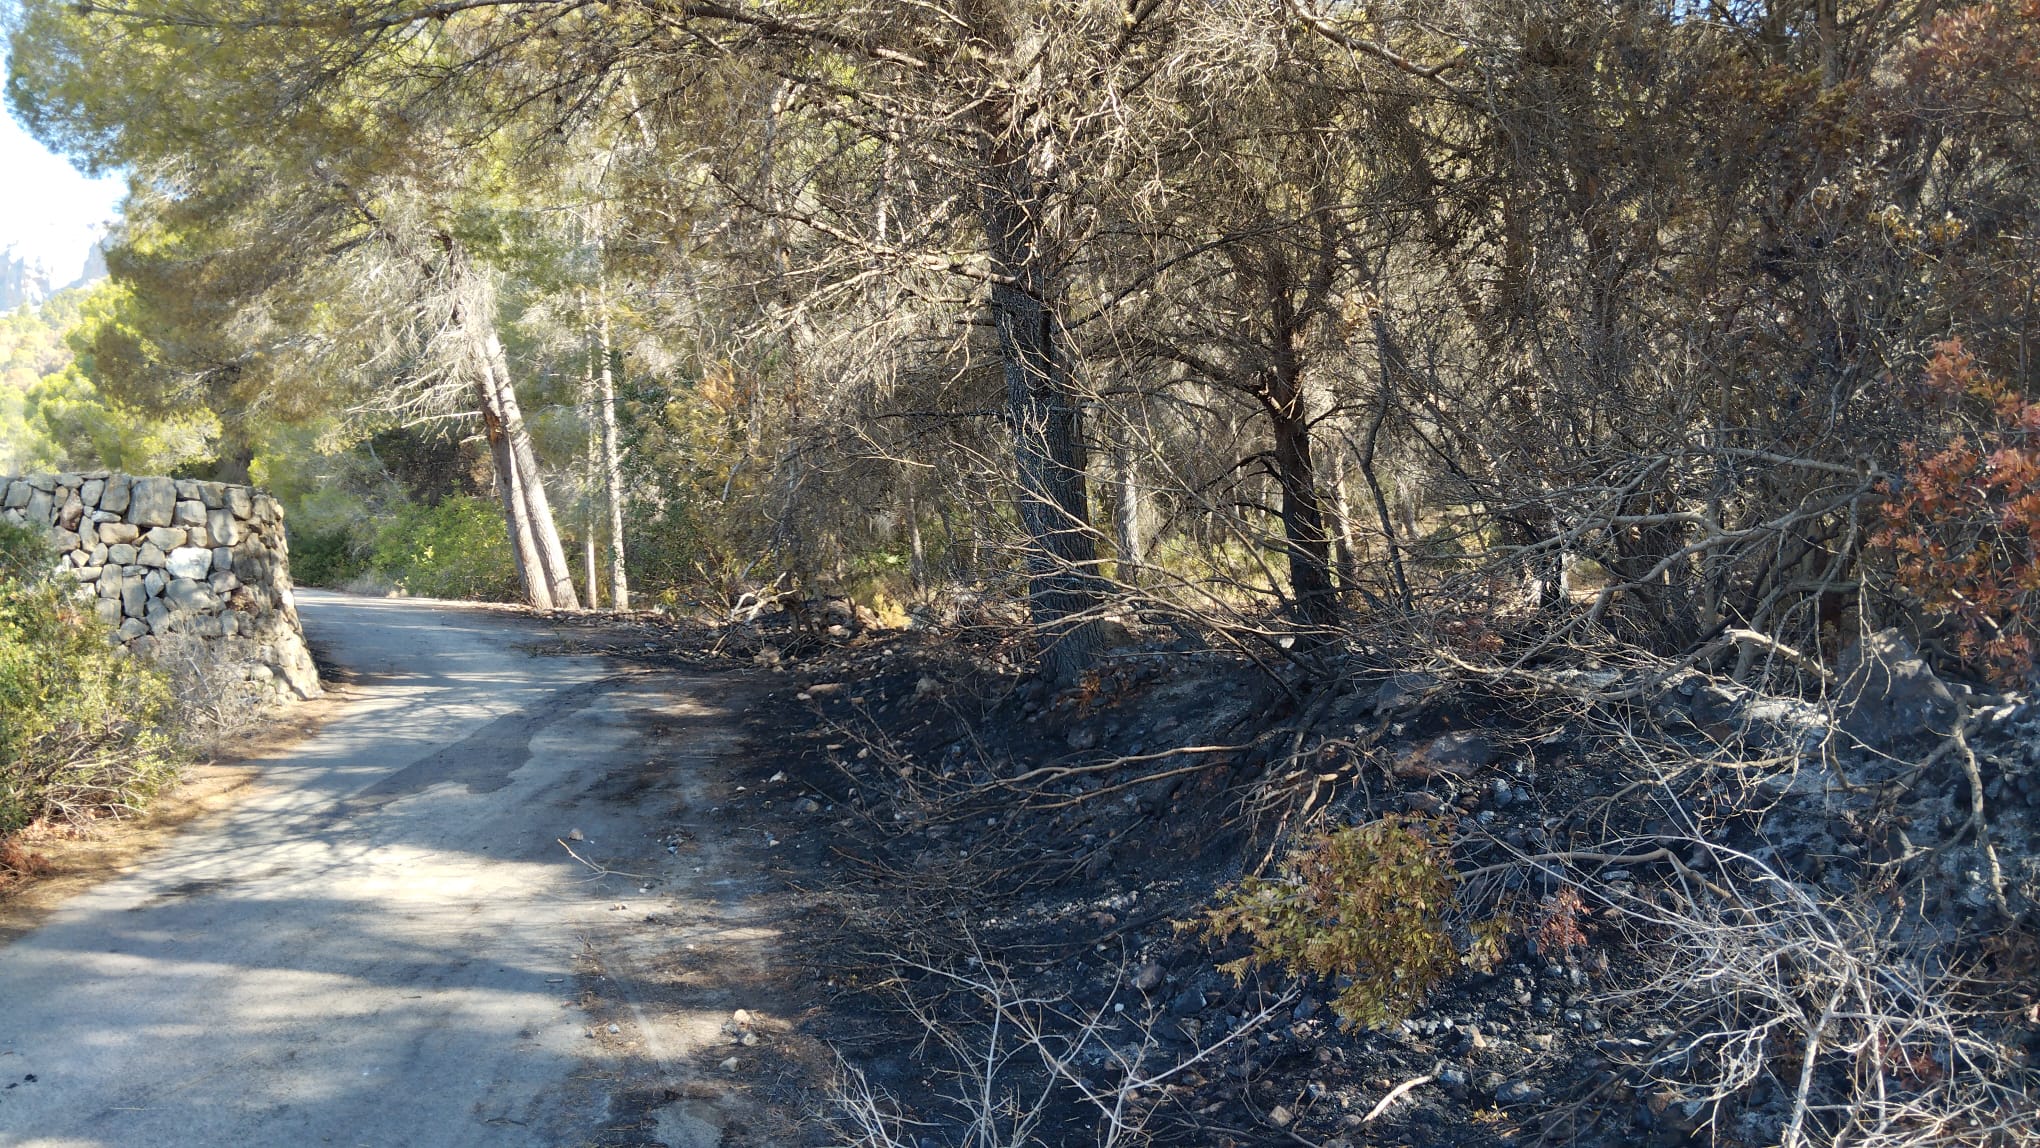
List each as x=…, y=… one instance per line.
x=1320, y=325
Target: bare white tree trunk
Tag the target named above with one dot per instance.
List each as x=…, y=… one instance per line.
x=591, y=482
x=917, y=552
x=557, y=572
x=1342, y=530
x=523, y=549
x=1126, y=514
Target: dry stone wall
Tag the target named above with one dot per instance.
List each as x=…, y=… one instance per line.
x=160, y=557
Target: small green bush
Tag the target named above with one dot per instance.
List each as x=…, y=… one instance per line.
x=456, y=549
x=80, y=723
x=329, y=558
x=1369, y=903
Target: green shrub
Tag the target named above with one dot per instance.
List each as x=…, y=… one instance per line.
x=80, y=722
x=326, y=557
x=1369, y=903
x=456, y=549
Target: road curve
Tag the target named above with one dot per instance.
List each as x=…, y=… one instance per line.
x=385, y=944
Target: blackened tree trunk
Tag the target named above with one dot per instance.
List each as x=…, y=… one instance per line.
x=1046, y=417
x=1305, y=538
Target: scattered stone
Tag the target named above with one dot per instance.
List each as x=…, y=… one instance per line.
x=1148, y=977
x=1401, y=691
x=1518, y=1092
x=1421, y=802
x=1888, y=693
x=1458, y=754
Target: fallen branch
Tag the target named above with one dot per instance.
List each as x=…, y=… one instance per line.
x=1394, y=1094
x=600, y=870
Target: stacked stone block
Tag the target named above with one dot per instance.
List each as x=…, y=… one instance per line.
x=162, y=556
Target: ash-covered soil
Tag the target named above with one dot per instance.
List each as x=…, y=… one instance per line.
x=997, y=885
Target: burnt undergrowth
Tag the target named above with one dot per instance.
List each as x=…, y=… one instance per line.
x=1684, y=910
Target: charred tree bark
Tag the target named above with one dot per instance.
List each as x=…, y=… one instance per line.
x=1305, y=538
x=1046, y=418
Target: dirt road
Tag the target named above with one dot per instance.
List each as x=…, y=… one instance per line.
x=387, y=943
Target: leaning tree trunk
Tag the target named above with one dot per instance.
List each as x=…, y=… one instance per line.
x=1047, y=424
x=523, y=549
x=558, y=573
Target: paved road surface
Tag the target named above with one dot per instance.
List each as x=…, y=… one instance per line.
x=385, y=944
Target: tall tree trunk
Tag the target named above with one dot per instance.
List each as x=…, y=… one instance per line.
x=1047, y=423
x=917, y=553
x=1303, y=518
x=1342, y=529
x=523, y=549
x=1389, y=358
x=612, y=459
x=556, y=571
x=591, y=484
x=1126, y=524
x=1303, y=521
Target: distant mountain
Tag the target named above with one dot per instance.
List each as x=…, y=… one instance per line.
x=22, y=282
x=25, y=282
x=95, y=266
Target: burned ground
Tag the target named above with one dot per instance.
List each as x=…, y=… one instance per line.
x=991, y=889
